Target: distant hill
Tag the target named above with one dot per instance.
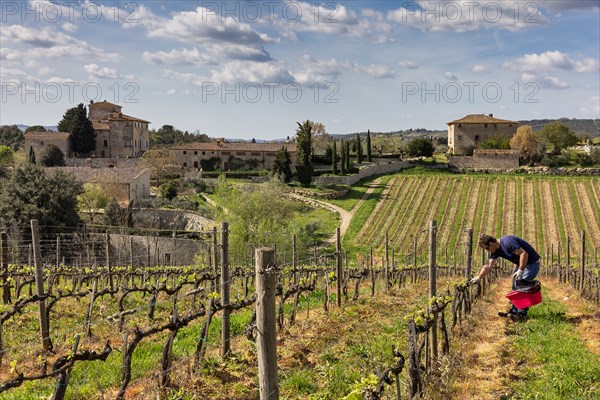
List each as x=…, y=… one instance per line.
x=589, y=126
x=53, y=128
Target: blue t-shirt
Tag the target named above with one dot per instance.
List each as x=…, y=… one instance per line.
x=508, y=245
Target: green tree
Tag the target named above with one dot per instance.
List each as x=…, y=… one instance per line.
x=420, y=147
x=558, y=135
x=304, y=168
x=92, y=199
x=30, y=194
x=496, y=142
x=7, y=156
x=83, y=136
x=369, y=159
x=52, y=156
x=359, y=149
x=282, y=165
x=112, y=213
x=11, y=136
x=168, y=135
x=343, y=157
x=334, y=168
x=169, y=190
x=35, y=128
x=348, y=162
x=31, y=159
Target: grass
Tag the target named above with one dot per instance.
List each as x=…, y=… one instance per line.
x=557, y=364
x=356, y=193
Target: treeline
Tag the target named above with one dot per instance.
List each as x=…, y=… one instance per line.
x=589, y=126
x=167, y=135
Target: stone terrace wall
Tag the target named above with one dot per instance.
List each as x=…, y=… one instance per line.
x=486, y=160
x=103, y=162
x=381, y=166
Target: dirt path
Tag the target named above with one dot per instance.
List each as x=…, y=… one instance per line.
x=485, y=365
x=345, y=216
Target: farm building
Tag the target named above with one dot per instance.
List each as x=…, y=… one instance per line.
x=124, y=184
x=117, y=134
x=228, y=156
x=40, y=140
x=473, y=129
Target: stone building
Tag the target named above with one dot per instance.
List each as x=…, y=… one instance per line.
x=473, y=129
x=486, y=159
x=40, y=140
x=228, y=156
x=117, y=134
x=124, y=184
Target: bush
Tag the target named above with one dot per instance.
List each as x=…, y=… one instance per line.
x=169, y=190
x=419, y=147
x=52, y=156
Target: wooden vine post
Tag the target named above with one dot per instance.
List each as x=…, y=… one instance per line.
x=432, y=287
x=387, y=264
x=225, y=285
x=469, y=253
x=39, y=285
x=266, y=345
x=582, y=276
x=4, y=260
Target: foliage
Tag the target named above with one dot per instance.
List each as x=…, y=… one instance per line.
x=31, y=158
x=83, y=136
x=559, y=136
x=282, y=165
x=35, y=128
x=169, y=190
x=334, y=166
x=7, y=156
x=348, y=162
x=369, y=158
x=420, y=147
x=320, y=138
x=359, y=149
x=11, y=136
x=168, y=135
x=30, y=194
x=210, y=164
x=92, y=198
x=525, y=141
x=52, y=156
x=496, y=142
x=112, y=213
x=343, y=157
x=304, y=169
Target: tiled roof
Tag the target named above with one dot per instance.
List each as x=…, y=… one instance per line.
x=236, y=146
x=481, y=119
x=123, y=117
x=100, y=175
x=46, y=135
x=107, y=103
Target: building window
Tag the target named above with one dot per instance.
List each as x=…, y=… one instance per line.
x=241, y=153
x=195, y=164
x=485, y=125
x=184, y=152
x=105, y=143
x=510, y=126
x=185, y=164
x=226, y=153
x=127, y=143
x=459, y=137
x=203, y=153
x=42, y=143
x=195, y=153
x=495, y=126
x=212, y=152
x=460, y=125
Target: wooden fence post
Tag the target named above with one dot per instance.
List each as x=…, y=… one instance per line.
x=108, y=262
x=568, y=256
x=4, y=260
x=387, y=264
x=39, y=284
x=582, y=276
x=63, y=378
x=266, y=345
x=294, y=257
x=338, y=247
x=225, y=319
x=57, y=252
x=433, y=286
x=469, y=253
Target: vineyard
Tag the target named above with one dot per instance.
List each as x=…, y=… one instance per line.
x=545, y=211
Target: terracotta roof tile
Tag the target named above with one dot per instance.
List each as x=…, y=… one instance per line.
x=480, y=119
x=47, y=134
x=98, y=175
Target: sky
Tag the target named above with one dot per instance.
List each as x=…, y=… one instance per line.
x=253, y=69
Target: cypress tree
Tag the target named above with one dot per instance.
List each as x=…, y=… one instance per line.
x=304, y=169
x=334, y=158
x=31, y=156
x=343, y=157
x=369, y=159
x=348, y=162
x=359, y=150
x=83, y=136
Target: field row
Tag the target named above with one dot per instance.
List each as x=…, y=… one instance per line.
x=542, y=210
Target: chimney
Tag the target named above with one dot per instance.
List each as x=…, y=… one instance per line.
x=491, y=115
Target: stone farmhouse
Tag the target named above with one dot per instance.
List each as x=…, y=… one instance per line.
x=124, y=184
x=472, y=129
x=228, y=156
x=117, y=134
x=40, y=140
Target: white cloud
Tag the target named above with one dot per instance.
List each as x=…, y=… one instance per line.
x=45, y=71
x=408, y=64
x=467, y=16
x=69, y=27
x=480, y=69
x=545, y=81
x=323, y=71
x=591, y=108
x=97, y=72
x=176, y=57
x=450, y=76
x=552, y=61
x=211, y=54
x=560, y=5
x=48, y=43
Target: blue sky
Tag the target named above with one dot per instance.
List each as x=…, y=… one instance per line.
x=244, y=69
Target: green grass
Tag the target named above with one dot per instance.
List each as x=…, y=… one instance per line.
x=356, y=193
x=556, y=363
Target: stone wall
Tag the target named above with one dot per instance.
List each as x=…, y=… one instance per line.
x=381, y=166
x=486, y=160
x=104, y=162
